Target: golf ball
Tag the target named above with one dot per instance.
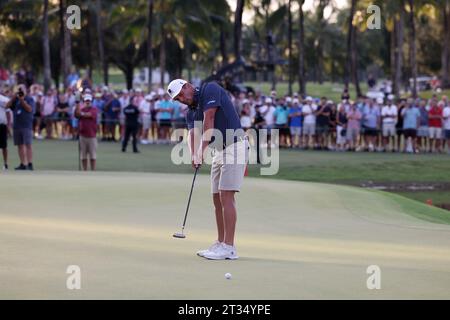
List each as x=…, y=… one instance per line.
x=228, y=276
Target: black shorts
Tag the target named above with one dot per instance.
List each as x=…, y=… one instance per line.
x=410, y=133
x=165, y=123
x=3, y=136
x=371, y=132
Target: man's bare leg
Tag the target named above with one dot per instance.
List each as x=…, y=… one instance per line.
x=5, y=155
x=84, y=162
x=93, y=163
x=219, y=217
x=229, y=215
x=29, y=152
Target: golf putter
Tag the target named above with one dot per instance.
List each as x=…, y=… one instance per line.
x=181, y=235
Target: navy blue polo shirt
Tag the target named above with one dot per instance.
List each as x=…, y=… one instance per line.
x=211, y=95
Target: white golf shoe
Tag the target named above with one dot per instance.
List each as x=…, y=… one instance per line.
x=212, y=248
x=223, y=252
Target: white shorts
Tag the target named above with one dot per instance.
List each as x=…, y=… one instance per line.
x=435, y=133
x=309, y=129
x=228, y=167
x=146, y=121
x=296, y=131
x=339, y=138
x=389, y=130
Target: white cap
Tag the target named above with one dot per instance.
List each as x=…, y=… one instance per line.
x=391, y=97
x=245, y=101
x=273, y=93
x=139, y=90
x=268, y=100
x=295, y=101
x=288, y=99
x=330, y=102
x=87, y=97
x=380, y=100
x=149, y=97
x=175, y=87
x=309, y=99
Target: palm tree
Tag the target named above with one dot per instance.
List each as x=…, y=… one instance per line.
x=238, y=28
x=290, y=47
x=446, y=47
x=412, y=47
x=301, y=49
x=100, y=35
x=65, y=43
x=149, y=43
x=46, y=48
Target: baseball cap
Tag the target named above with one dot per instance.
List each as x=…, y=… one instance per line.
x=175, y=87
x=268, y=100
x=309, y=99
x=380, y=100
x=87, y=97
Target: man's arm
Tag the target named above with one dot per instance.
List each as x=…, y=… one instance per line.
x=208, y=123
x=25, y=104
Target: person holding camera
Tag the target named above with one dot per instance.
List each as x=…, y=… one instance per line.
x=87, y=117
x=23, y=108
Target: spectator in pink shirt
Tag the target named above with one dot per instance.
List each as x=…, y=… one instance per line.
x=353, y=126
x=88, y=131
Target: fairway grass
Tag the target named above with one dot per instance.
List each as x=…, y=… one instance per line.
x=296, y=240
x=314, y=166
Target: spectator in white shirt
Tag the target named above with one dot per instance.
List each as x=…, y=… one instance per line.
x=309, y=122
x=146, y=118
x=389, y=120
x=446, y=119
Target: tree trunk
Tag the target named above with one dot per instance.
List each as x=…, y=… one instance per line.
x=150, y=44
x=129, y=76
x=101, y=48
x=46, y=48
x=348, y=65
x=398, y=27
x=355, y=63
x=162, y=57
x=412, y=48
x=301, y=49
x=223, y=46
x=290, y=47
x=238, y=28
x=62, y=43
x=446, y=45
x=67, y=48
x=87, y=34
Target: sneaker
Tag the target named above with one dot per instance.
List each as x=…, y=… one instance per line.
x=30, y=167
x=21, y=167
x=5, y=167
x=224, y=252
x=212, y=248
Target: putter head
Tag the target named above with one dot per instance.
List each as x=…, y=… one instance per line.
x=179, y=235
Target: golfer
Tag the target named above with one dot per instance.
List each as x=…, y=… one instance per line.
x=211, y=106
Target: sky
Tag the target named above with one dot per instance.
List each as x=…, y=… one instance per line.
x=308, y=6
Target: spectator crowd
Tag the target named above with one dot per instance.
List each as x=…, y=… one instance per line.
x=366, y=124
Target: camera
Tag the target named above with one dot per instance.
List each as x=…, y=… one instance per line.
x=20, y=93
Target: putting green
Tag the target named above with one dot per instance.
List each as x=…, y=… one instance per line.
x=296, y=240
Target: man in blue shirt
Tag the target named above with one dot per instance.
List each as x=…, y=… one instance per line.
x=295, y=116
x=211, y=106
x=23, y=108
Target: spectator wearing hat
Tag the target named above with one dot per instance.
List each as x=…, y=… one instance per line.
x=295, y=117
x=146, y=117
x=267, y=111
x=5, y=123
x=411, y=121
x=446, y=120
x=435, y=125
x=281, y=115
x=371, y=122
x=389, y=116
x=131, y=125
x=309, y=122
x=164, y=110
x=112, y=111
x=246, y=121
x=23, y=107
x=322, y=123
x=341, y=127
x=87, y=116
x=354, y=117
